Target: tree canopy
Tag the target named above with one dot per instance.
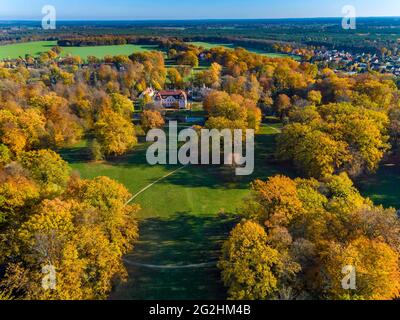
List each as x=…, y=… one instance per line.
x=315, y=229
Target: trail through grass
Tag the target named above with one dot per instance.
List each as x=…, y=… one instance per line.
x=185, y=217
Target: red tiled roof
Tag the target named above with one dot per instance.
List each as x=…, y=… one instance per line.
x=171, y=92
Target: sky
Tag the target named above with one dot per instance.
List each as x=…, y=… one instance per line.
x=193, y=9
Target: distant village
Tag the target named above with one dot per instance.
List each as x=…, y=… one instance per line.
x=358, y=63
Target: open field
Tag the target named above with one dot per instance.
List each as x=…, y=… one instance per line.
x=184, y=218
x=35, y=48
x=16, y=50
x=200, y=189
x=208, y=45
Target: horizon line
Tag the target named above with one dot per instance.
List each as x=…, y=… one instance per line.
x=187, y=19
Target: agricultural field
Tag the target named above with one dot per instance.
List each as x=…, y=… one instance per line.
x=17, y=50
x=183, y=221
x=35, y=48
x=208, y=45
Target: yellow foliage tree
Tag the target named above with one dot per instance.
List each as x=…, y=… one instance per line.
x=276, y=201
x=151, y=119
x=115, y=134
x=376, y=266
x=250, y=268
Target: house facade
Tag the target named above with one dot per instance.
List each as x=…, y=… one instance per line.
x=171, y=99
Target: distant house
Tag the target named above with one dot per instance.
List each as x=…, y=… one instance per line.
x=199, y=93
x=171, y=99
x=148, y=92
x=203, y=56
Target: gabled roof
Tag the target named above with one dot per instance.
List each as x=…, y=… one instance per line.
x=171, y=92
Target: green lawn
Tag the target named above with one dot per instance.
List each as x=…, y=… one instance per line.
x=186, y=217
x=208, y=45
x=183, y=220
x=383, y=187
x=35, y=48
x=21, y=49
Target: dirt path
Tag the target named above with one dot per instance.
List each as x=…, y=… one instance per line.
x=152, y=184
x=273, y=128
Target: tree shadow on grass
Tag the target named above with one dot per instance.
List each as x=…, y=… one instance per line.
x=382, y=187
x=75, y=154
x=210, y=176
x=181, y=240
x=219, y=176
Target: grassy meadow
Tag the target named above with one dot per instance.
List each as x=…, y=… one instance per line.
x=208, y=45
x=17, y=50
x=184, y=218
x=35, y=48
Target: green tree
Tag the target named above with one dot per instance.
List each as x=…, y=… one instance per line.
x=96, y=151
x=5, y=155
x=315, y=97
x=336, y=137
x=122, y=105
x=175, y=77
x=48, y=169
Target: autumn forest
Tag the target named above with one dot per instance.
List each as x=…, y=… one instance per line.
x=68, y=123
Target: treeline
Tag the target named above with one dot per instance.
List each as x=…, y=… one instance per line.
x=88, y=41
x=57, y=102
x=92, y=41
x=333, y=122
x=349, y=125
x=167, y=42
x=371, y=34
